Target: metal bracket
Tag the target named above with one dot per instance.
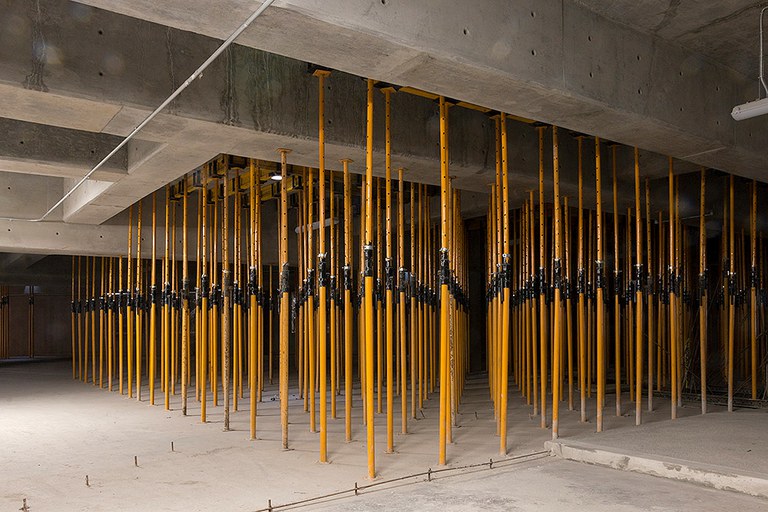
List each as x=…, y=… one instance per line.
x=284, y=279
x=445, y=275
x=368, y=260
x=322, y=270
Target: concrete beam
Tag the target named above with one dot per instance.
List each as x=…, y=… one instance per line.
x=554, y=60
x=33, y=148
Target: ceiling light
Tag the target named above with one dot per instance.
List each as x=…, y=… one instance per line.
x=276, y=176
x=751, y=109
x=760, y=105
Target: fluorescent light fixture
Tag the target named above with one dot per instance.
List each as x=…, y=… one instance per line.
x=276, y=176
x=750, y=110
x=759, y=106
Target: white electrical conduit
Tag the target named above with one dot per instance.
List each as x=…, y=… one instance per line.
x=159, y=109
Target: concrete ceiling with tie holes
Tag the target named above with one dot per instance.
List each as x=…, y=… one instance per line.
x=75, y=77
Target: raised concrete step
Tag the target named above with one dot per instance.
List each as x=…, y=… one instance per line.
x=718, y=477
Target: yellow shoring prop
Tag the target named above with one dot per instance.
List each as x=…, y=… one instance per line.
x=284, y=298
x=139, y=305
x=599, y=286
x=322, y=319
x=732, y=296
x=389, y=275
x=203, y=336
x=153, y=306
x=252, y=296
x=368, y=283
x=444, y=281
x=311, y=334
x=226, y=312
x=348, y=313
x=650, y=274
x=672, y=292
x=402, y=306
x=543, y=313
x=557, y=339
x=617, y=286
x=505, y=276
x=166, y=310
x=185, y=291
x=638, y=296
x=73, y=327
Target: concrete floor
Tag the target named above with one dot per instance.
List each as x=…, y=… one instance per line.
x=55, y=431
x=550, y=485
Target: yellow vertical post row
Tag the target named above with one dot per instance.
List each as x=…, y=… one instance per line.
x=348, y=313
x=332, y=296
x=215, y=313
x=525, y=332
x=661, y=310
x=638, y=297
x=444, y=280
x=753, y=291
x=99, y=308
x=120, y=325
x=649, y=292
x=505, y=276
x=543, y=314
x=311, y=334
x=173, y=294
x=108, y=297
x=204, y=318
x=498, y=293
x=672, y=292
x=534, y=319
x=389, y=274
x=94, y=310
x=73, y=324
x=680, y=309
x=139, y=305
x=420, y=294
x=617, y=286
x=79, y=311
x=166, y=311
x=262, y=304
x=253, y=392
x=185, y=291
x=153, y=304
x=402, y=304
x=368, y=276
x=301, y=244
x=322, y=271
x=226, y=283
x=198, y=288
x=599, y=287
x=378, y=306
x=361, y=309
x=732, y=295
x=703, y=292
x=557, y=338
x=269, y=311
x=284, y=299
x=234, y=276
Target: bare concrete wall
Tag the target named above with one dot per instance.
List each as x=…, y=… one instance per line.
x=51, y=322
